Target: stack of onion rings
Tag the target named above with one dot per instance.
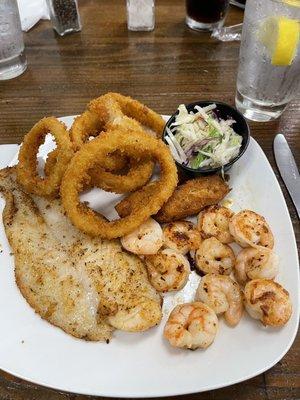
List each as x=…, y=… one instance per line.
x=115, y=110
x=27, y=174
x=107, y=112
x=137, y=145
x=120, y=158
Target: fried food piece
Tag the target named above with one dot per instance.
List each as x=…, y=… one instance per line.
x=50, y=162
x=84, y=126
x=27, y=173
x=112, y=109
x=90, y=124
x=117, y=173
x=108, y=177
x=85, y=286
x=137, y=174
x=135, y=145
x=188, y=199
x=115, y=109
x=107, y=112
x=139, y=198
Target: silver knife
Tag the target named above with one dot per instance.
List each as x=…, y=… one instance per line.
x=288, y=169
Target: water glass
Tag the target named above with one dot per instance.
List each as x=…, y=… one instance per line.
x=12, y=58
x=269, y=67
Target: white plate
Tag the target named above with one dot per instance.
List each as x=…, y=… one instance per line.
x=144, y=365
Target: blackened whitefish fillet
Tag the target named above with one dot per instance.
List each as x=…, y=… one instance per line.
x=86, y=286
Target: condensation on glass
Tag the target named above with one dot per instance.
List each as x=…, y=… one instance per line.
x=266, y=86
x=140, y=15
x=64, y=16
x=12, y=57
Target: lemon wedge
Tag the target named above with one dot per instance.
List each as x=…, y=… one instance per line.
x=280, y=35
x=295, y=3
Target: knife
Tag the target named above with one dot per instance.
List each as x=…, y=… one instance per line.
x=288, y=169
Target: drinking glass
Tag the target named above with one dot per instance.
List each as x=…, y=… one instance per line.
x=269, y=68
x=206, y=14
x=238, y=3
x=12, y=58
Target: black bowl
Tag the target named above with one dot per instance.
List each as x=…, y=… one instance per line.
x=240, y=126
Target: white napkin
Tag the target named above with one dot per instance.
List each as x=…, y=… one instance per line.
x=31, y=11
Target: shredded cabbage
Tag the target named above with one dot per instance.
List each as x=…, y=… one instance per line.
x=200, y=139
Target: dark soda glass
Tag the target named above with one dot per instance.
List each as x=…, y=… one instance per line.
x=239, y=3
x=205, y=14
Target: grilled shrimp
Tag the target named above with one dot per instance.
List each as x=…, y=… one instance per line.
x=251, y=229
x=168, y=270
x=214, y=221
x=191, y=325
x=268, y=301
x=146, y=239
x=223, y=295
x=214, y=257
x=254, y=263
x=181, y=236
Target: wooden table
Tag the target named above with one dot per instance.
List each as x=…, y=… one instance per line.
x=163, y=68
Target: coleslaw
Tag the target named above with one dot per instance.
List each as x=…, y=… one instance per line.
x=201, y=139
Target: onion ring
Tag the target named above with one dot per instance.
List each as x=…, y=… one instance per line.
x=138, y=174
x=85, y=125
x=109, y=110
x=27, y=174
x=114, y=108
x=109, y=113
x=89, y=124
x=50, y=162
x=107, y=176
x=136, y=145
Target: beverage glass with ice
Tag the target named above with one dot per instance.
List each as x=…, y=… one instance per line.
x=269, y=67
x=12, y=57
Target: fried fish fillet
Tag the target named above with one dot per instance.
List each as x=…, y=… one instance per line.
x=86, y=286
x=188, y=199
